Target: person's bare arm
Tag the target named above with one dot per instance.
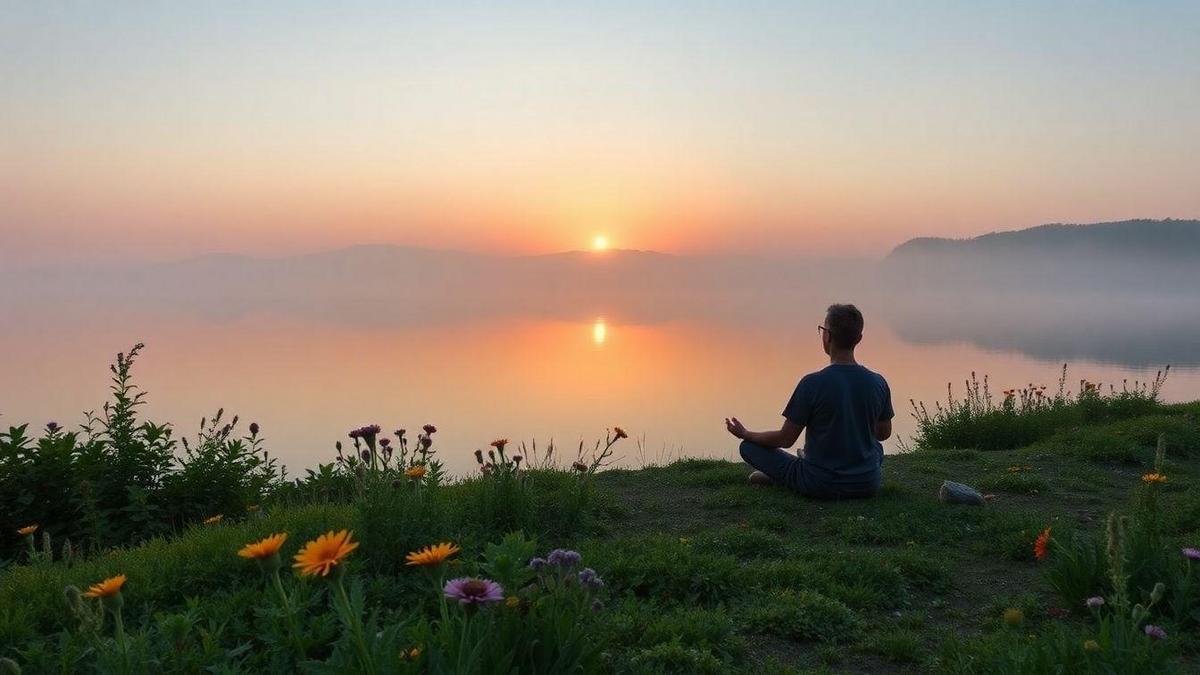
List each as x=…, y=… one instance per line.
x=883, y=430
x=785, y=437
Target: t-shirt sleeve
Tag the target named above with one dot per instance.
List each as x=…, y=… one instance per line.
x=799, y=406
x=887, y=413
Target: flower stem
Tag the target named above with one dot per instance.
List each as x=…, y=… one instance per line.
x=355, y=624
x=291, y=617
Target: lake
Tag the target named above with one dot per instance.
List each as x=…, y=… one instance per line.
x=667, y=369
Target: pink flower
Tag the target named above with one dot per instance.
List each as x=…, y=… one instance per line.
x=1095, y=602
x=1191, y=553
x=471, y=591
x=1156, y=632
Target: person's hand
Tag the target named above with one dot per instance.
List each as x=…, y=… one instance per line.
x=735, y=427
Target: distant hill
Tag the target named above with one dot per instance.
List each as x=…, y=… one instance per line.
x=1130, y=254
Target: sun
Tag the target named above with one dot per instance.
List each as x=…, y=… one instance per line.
x=600, y=243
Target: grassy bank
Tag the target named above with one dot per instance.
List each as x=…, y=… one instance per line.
x=702, y=572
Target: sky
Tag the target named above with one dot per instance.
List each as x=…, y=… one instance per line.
x=158, y=130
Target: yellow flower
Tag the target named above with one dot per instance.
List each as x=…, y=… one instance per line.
x=415, y=472
x=412, y=655
x=324, y=553
x=265, y=548
x=432, y=555
x=1013, y=616
x=620, y=432
x=1091, y=646
x=213, y=520
x=28, y=530
x=1154, y=477
x=512, y=602
x=107, y=588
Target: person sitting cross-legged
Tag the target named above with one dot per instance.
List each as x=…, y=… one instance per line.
x=847, y=412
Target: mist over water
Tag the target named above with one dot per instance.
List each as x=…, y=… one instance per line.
x=554, y=347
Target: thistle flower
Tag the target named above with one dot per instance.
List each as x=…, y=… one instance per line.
x=619, y=433
x=254, y=428
x=426, y=441
x=213, y=520
x=415, y=472
x=429, y=429
x=1041, y=546
x=517, y=460
x=1191, y=553
x=52, y=427
x=563, y=558
x=479, y=456
x=399, y=433
x=1155, y=632
x=385, y=442
x=499, y=443
x=28, y=530
x=366, y=455
x=1095, y=602
x=323, y=554
x=470, y=591
x=431, y=555
x=537, y=563
x=589, y=579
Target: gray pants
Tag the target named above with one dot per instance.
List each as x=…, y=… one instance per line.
x=793, y=472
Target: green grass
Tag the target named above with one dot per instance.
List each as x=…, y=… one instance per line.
x=706, y=573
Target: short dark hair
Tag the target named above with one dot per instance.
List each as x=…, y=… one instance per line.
x=845, y=325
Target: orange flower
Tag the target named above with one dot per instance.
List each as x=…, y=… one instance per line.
x=620, y=432
x=432, y=555
x=415, y=472
x=1041, y=546
x=499, y=443
x=213, y=520
x=1155, y=477
x=324, y=553
x=265, y=548
x=28, y=530
x=107, y=588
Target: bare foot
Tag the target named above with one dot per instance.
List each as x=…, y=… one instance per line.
x=760, y=478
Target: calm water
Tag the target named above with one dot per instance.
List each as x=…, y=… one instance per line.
x=308, y=375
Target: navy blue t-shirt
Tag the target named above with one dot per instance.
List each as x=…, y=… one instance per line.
x=838, y=406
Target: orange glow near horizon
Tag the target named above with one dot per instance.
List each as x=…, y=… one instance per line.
x=600, y=243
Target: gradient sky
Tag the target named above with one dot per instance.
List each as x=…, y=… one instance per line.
x=158, y=130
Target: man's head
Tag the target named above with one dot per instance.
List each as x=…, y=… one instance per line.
x=843, y=328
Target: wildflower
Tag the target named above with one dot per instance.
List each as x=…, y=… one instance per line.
x=1155, y=632
x=426, y=442
x=399, y=433
x=1041, y=546
x=479, y=456
x=1191, y=553
x=415, y=472
x=254, y=428
x=537, y=563
x=366, y=455
x=471, y=591
x=590, y=580
x=355, y=434
x=109, y=588
x=28, y=530
x=1154, y=477
x=499, y=443
x=580, y=467
x=563, y=558
x=1091, y=646
x=429, y=429
x=264, y=549
x=620, y=433
x=412, y=654
x=1013, y=616
x=1095, y=602
x=512, y=602
x=324, y=553
x=385, y=442
x=52, y=427
x=517, y=459
x=432, y=555
x=213, y=520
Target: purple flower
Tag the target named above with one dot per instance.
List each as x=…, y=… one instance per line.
x=1095, y=602
x=563, y=558
x=471, y=591
x=366, y=455
x=590, y=580
x=537, y=563
x=399, y=433
x=430, y=429
x=385, y=442
x=355, y=434
x=52, y=427
x=1191, y=553
x=1156, y=632
x=254, y=428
